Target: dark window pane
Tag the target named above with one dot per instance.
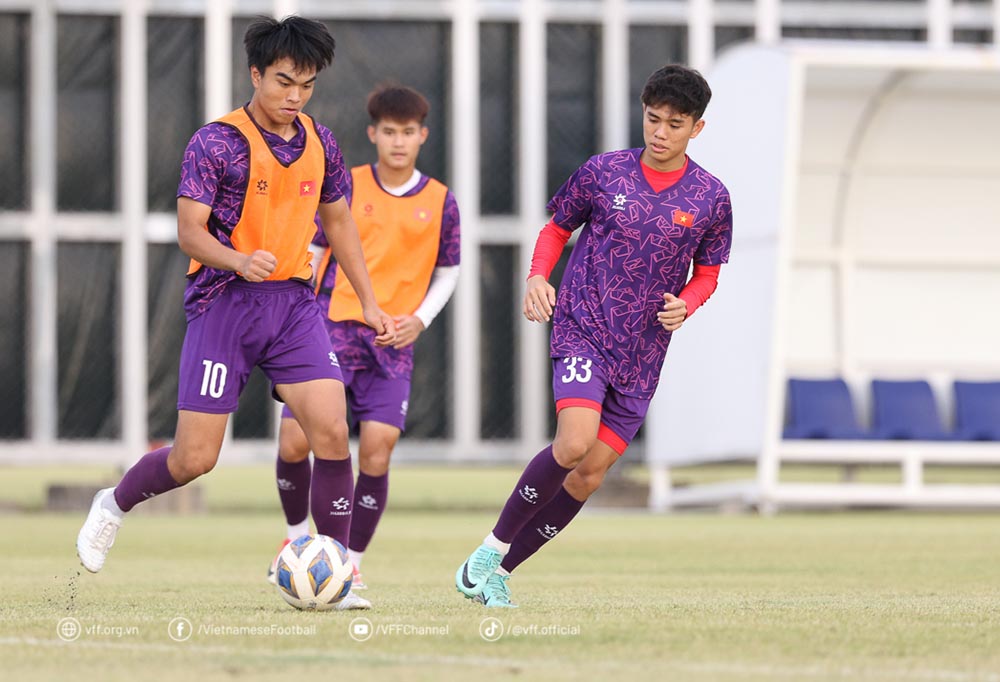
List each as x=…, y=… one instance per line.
x=166, y=326
x=726, y=36
x=87, y=54
x=14, y=169
x=974, y=36
x=497, y=118
x=14, y=323
x=499, y=290
x=254, y=415
x=430, y=415
x=573, y=108
x=650, y=47
x=175, y=73
x=414, y=53
x=88, y=323
x=854, y=33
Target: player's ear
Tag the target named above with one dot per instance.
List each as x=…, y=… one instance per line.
x=698, y=126
x=255, y=76
x=371, y=134
x=424, y=132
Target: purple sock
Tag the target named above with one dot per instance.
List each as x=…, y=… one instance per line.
x=147, y=477
x=541, y=480
x=293, y=489
x=550, y=520
x=331, y=497
x=370, y=495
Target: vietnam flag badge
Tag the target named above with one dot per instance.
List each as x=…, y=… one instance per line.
x=307, y=188
x=683, y=218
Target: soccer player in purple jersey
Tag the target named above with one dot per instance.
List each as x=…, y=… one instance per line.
x=251, y=186
x=647, y=215
x=410, y=232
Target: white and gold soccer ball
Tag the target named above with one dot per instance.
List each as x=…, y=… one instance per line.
x=313, y=573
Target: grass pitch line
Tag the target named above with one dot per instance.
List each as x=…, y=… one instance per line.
x=733, y=669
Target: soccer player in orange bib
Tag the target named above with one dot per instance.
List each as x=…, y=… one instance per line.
x=410, y=232
x=251, y=186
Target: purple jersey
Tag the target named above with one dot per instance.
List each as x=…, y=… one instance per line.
x=636, y=246
x=353, y=341
x=215, y=171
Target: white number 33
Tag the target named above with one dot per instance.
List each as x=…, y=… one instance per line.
x=577, y=369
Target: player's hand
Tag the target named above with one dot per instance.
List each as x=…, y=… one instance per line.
x=257, y=266
x=382, y=323
x=539, y=299
x=408, y=328
x=674, y=312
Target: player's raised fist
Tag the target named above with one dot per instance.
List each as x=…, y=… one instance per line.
x=258, y=265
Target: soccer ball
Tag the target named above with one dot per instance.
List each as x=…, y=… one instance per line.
x=313, y=573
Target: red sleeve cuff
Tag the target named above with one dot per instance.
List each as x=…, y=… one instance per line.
x=548, y=248
x=700, y=287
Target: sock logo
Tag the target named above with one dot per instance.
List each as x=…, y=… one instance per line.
x=369, y=502
x=285, y=484
x=548, y=531
x=529, y=494
x=340, y=507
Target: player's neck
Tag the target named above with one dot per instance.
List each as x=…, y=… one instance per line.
x=391, y=178
x=673, y=164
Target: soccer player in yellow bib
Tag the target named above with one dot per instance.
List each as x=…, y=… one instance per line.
x=410, y=235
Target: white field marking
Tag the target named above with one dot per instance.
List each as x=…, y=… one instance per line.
x=739, y=669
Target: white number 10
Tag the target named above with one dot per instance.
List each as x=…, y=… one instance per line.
x=214, y=381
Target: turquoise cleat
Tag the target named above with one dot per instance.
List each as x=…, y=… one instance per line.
x=496, y=594
x=472, y=575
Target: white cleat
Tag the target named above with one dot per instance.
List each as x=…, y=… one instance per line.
x=98, y=533
x=353, y=602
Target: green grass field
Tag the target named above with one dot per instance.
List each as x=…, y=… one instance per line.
x=862, y=596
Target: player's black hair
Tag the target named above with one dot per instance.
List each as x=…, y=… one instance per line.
x=393, y=102
x=679, y=87
x=306, y=42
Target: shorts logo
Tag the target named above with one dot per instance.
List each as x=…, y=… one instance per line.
x=285, y=484
x=548, y=532
x=333, y=359
x=262, y=187
x=529, y=494
x=368, y=502
x=620, y=200
x=307, y=189
x=341, y=507
x=404, y=406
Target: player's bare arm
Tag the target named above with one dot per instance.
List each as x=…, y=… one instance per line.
x=342, y=235
x=195, y=241
x=674, y=312
x=539, y=299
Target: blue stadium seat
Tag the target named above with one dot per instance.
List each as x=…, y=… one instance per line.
x=977, y=410
x=905, y=410
x=822, y=409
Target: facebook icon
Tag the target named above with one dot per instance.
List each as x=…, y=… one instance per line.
x=180, y=629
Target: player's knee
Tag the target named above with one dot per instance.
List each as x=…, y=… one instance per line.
x=331, y=437
x=293, y=448
x=187, y=467
x=581, y=484
x=375, y=463
x=569, y=450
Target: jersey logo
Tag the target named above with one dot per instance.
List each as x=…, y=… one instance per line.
x=422, y=214
x=262, y=187
x=619, y=202
x=683, y=218
x=307, y=188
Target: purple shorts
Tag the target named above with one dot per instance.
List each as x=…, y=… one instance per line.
x=582, y=382
x=372, y=397
x=276, y=326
